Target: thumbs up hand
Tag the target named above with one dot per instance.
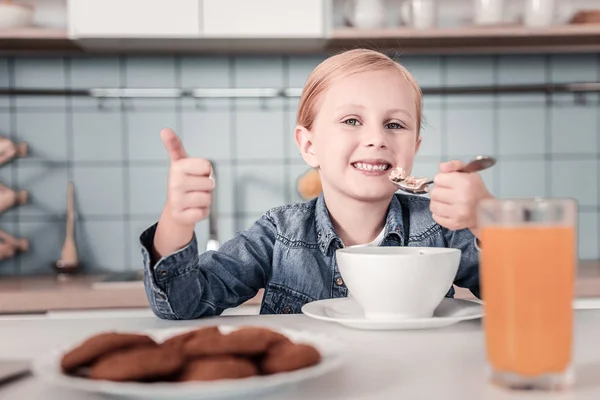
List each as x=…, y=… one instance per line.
x=190, y=185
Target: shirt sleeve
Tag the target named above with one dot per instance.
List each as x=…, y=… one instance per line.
x=189, y=285
x=468, y=271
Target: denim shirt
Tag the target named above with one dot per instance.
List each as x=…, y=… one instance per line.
x=290, y=252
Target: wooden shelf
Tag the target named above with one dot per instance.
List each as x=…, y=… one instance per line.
x=476, y=39
x=464, y=40
x=36, y=41
x=33, y=33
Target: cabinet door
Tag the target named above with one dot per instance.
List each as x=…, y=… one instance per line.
x=134, y=18
x=265, y=18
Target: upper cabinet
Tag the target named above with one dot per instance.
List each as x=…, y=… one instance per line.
x=134, y=18
x=168, y=19
x=265, y=18
x=199, y=25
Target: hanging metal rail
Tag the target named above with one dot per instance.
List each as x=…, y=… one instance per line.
x=262, y=93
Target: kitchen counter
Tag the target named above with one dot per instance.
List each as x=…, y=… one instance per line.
x=447, y=363
x=39, y=294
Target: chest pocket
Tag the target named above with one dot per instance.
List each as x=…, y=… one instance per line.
x=281, y=300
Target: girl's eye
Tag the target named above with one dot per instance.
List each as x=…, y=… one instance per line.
x=394, y=125
x=351, y=121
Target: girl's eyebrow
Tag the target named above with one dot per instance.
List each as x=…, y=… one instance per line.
x=361, y=107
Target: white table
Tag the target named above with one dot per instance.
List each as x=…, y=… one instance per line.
x=436, y=364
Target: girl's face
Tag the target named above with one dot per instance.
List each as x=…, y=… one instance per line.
x=365, y=125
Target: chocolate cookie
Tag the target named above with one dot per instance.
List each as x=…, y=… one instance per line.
x=178, y=341
x=288, y=356
x=248, y=341
x=138, y=364
x=218, y=367
x=101, y=344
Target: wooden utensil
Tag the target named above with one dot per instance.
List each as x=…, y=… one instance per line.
x=69, y=261
x=19, y=244
x=9, y=245
x=7, y=250
x=10, y=198
x=10, y=150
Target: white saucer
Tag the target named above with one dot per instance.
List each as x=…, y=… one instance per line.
x=348, y=312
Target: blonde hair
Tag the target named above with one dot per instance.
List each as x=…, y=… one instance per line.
x=342, y=65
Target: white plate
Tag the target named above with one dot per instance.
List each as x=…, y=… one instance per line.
x=47, y=368
x=348, y=312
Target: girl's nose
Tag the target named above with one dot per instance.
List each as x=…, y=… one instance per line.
x=376, y=138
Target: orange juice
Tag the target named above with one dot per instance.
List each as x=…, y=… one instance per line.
x=527, y=280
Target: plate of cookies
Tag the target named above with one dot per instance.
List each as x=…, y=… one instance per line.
x=182, y=363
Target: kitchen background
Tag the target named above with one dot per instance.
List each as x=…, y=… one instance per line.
x=547, y=145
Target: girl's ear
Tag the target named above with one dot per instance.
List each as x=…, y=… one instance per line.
x=304, y=141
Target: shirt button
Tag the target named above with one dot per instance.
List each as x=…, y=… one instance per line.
x=163, y=272
x=287, y=310
x=339, y=281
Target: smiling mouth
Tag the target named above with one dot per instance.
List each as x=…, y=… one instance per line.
x=371, y=167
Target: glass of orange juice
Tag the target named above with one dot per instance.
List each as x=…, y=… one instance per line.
x=528, y=265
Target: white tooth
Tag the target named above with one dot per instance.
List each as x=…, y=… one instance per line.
x=370, y=167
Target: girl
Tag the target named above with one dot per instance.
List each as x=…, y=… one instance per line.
x=359, y=116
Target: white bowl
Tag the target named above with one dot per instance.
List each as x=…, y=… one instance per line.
x=398, y=282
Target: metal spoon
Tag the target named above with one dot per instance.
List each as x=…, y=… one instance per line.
x=479, y=163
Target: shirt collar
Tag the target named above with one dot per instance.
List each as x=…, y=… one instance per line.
x=326, y=235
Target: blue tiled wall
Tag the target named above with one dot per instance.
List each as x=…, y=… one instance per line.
x=113, y=153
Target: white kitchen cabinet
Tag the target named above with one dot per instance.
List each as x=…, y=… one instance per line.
x=265, y=18
x=134, y=18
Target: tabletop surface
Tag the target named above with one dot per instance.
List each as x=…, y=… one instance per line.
x=446, y=363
